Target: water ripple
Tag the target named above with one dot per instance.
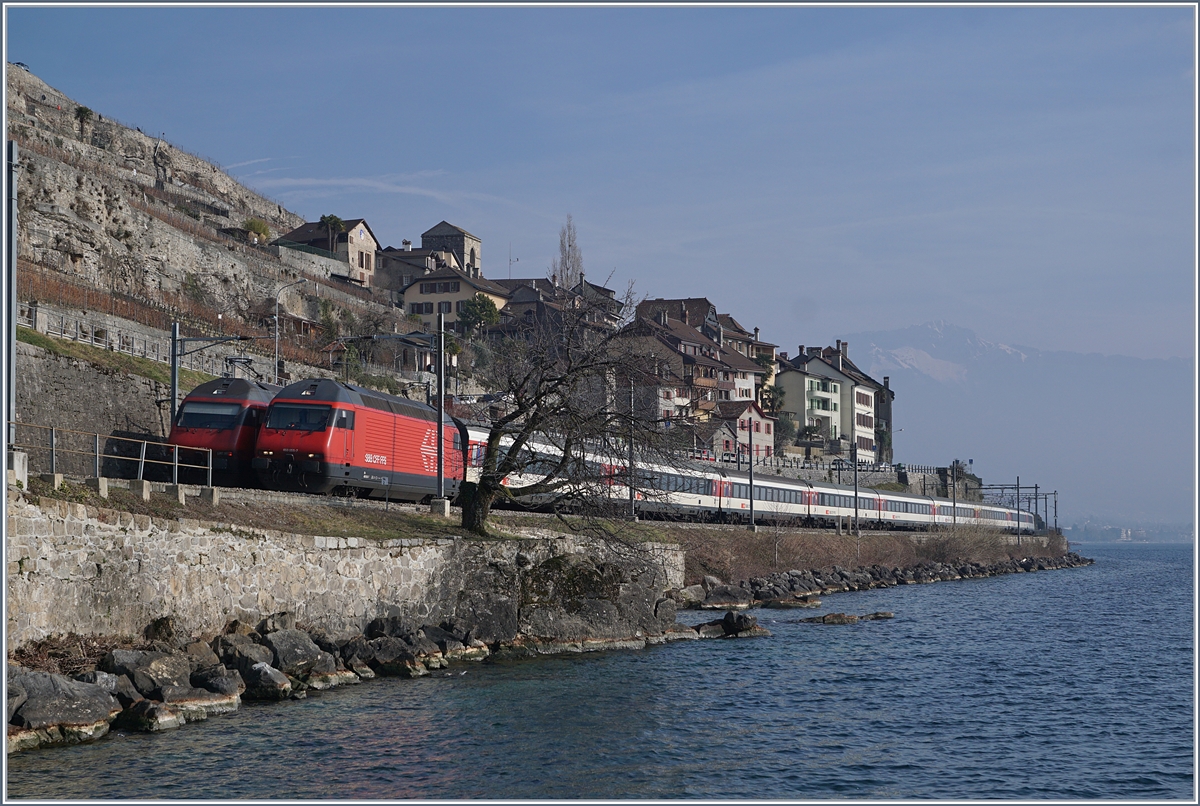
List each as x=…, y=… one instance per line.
x=1069, y=684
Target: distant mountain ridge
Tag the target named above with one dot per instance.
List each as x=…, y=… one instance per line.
x=1113, y=434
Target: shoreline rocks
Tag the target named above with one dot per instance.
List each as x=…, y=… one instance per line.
x=802, y=588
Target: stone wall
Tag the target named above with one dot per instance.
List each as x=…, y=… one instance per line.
x=78, y=569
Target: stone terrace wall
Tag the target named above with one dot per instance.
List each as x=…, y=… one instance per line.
x=78, y=569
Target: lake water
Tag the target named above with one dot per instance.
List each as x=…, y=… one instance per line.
x=1059, y=684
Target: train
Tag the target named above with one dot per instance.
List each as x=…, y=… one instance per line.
x=222, y=415
x=326, y=436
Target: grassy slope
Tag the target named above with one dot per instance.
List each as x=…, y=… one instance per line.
x=110, y=361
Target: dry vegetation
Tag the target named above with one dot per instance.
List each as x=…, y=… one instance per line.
x=734, y=553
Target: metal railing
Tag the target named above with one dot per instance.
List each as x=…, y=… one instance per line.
x=55, y=450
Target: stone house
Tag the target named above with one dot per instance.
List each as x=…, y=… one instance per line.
x=355, y=246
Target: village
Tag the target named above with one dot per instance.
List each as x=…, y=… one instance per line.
x=736, y=394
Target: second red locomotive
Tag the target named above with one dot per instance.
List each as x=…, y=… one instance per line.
x=324, y=436
x=222, y=415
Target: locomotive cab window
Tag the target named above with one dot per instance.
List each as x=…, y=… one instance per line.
x=298, y=417
x=343, y=419
x=196, y=414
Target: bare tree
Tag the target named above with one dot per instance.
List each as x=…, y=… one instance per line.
x=564, y=422
x=568, y=266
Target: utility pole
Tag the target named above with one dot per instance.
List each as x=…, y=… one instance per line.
x=10, y=291
x=750, y=455
x=632, y=496
x=1018, y=504
x=1035, y=506
x=441, y=404
x=277, y=293
x=177, y=352
x=954, y=492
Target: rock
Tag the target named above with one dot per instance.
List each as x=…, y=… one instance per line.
x=148, y=670
x=877, y=616
x=201, y=654
x=326, y=674
x=710, y=582
x=391, y=656
x=690, y=596
x=195, y=704
x=727, y=597
x=151, y=716
x=237, y=651
x=276, y=622
x=266, y=683
x=161, y=629
x=445, y=641
x=294, y=653
x=735, y=623
x=356, y=647
x=236, y=627
x=360, y=668
x=218, y=679
x=838, y=618
x=52, y=700
x=712, y=629
x=16, y=696
x=393, y=626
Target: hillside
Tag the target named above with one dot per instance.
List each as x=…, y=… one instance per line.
x=109, y=215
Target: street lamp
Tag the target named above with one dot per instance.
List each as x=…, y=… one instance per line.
x=277, y=293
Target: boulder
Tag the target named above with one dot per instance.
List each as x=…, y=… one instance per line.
x=201, y=654
x=239, y=652
x=690, y=596
x=162, y=630
x=450, y=646
x=356, y=647
x=276, y=622
x=236, y=627
x=712, y=629
x=149, y=670
x=148, y=715
x=293, y=651
x=361, y=669
x=52, y=700
x=16, y=697
x=877, y=616
x=266, y=683
x=727, y=597
x=195, y=704
x=391, y=656
x=218, y=679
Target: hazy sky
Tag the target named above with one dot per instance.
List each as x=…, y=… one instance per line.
x=1025, y=172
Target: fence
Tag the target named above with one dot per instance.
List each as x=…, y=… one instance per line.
x=80, y=453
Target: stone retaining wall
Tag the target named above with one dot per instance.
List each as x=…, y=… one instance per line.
x=80, y=569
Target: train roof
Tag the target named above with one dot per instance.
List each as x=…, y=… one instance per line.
x=237, y=389
x=328, y=390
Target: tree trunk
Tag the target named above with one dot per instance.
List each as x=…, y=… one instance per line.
x=476, y=505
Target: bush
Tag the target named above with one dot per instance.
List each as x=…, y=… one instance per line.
x=258, y=227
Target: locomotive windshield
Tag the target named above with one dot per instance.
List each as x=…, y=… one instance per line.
x=195, y=414
x=298, y=416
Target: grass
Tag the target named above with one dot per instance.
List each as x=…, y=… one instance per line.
x=308, y=515
x=111, y=361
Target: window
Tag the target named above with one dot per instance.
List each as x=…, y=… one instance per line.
x=198, y=414
x=298, y=417
x=757, y=427
x=865, y=420
x=863, y=399
x=406, y=281
x=668, y=394
x=449, y=287
x=444, y=307
x=458, y=306
x=361, y=262
x=417, y=307
x=666, y=414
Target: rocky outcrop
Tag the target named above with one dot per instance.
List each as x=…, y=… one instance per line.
x=52, y=709
x=802, y=588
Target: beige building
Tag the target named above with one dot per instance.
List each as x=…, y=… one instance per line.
x=355, y=246
x=446, y=291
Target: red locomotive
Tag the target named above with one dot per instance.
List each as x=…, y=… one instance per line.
x=323, y=436
x=224, y=415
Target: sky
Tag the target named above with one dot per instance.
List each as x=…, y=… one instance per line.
x=1027, y=172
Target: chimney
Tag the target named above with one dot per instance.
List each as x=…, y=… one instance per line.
x=407, y=244
x=662, y=317
x=756, y=334
x=554, y=280
x=783, y=354
x=844, y=346
x=839, y=346
x=800, y=351
x=683, y=314
x=885, y=382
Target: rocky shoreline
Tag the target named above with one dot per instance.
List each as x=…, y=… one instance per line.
x=802, y=588
x=181, y=680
